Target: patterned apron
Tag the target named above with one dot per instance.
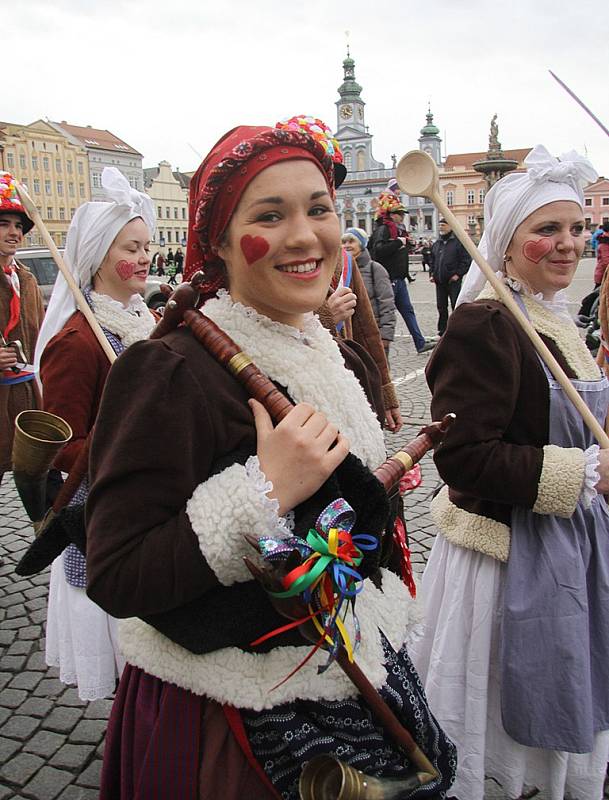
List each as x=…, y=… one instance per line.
x=555, y=628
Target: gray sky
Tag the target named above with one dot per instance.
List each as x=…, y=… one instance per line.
x=168, y=76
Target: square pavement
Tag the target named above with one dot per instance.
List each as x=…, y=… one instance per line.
x=51, y=743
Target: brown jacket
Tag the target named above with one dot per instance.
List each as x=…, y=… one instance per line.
x=17, y=398
x=362, y=328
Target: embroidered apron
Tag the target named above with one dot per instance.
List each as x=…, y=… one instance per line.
x=555, y=627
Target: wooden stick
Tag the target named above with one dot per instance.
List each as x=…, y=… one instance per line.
x=81, y=303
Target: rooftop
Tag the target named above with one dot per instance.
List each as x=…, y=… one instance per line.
x=97, y=139
x=467, y=160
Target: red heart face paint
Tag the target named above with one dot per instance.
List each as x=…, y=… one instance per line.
x=254, y=248
x=125, y=269
x=536, y=249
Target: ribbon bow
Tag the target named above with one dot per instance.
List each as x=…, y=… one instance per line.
x=571, y=168
x=327, y=579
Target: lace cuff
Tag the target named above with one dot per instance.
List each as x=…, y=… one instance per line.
x=591, y=476
x=278, y=526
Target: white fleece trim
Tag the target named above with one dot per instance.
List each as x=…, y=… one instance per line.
x=244, y=679
x=131, y=323
x=224, y=508
x=468, y=530
x=310, y=366
x=561, y=330
x=561, y=481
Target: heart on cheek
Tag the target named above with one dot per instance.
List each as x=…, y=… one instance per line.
x=535, y=250
x=125, y=269
x=254, y=248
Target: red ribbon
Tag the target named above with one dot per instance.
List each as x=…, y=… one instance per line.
x=399, y=537
x=15, y=306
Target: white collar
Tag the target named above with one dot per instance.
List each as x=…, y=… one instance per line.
x=130, y=323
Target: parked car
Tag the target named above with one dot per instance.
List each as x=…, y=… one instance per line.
x=41, y=264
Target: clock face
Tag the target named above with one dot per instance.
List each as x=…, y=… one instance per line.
x=346, y=112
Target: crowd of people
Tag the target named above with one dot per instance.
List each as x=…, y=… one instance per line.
x=178, y=471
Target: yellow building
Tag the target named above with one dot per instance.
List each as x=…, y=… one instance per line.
x=169, y=192
x=55, y=172
x=463, y=188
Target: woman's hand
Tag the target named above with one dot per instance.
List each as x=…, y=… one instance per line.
x=393, y=419
x=342, y=304
x=297, y=456
x=8, y=358
x=602, y=487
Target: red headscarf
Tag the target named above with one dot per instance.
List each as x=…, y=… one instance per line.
x=218, y=184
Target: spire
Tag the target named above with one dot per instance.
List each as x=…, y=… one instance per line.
x=429, y=129
x=349, y=89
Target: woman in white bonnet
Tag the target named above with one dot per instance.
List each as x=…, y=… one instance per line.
x=107, y=252
x=515, y=655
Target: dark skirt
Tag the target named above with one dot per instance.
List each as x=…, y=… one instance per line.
x=165, y=743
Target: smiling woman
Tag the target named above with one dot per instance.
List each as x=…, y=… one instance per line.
x=207, y=469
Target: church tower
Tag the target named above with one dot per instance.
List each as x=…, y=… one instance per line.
x=429, y=140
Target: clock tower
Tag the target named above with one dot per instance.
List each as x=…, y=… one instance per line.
x=350, y=107
x=430, y=141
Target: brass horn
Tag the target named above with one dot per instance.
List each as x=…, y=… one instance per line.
x=39, y=436
x=327, y=778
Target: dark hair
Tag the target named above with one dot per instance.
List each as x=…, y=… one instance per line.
x=605, y=227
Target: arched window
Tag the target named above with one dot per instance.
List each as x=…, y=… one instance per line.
x=361, y=160
x=449, y=197
x=348, y=160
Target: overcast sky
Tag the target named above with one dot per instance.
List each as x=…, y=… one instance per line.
x=171, y=76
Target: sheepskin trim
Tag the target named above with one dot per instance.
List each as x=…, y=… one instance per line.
x=310, y=366
x=224, y=508
x=472, y=531
x=562, y=331
x=561, y=481
x=244, y=679
x=390, y=397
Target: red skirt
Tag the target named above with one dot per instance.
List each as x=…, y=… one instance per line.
x=164, y=742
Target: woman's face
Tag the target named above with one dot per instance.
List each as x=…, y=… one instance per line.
x=546, y=247
x=282, y=243
x=124, y=270
x=351, y=245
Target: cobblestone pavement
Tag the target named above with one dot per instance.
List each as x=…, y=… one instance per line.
x=51, y=743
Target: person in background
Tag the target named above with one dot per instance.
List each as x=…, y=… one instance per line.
x=170, y=258
x=389, y=246
x=179, y=261
x=21, y=314
x=160, y=264
x=425, y=251
x=107, y=253
x=377, y=283
x=449, y=263
x=602, y=254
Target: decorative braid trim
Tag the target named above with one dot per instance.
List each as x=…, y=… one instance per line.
x=468, y=530
x=561, y=481
x=244, y=679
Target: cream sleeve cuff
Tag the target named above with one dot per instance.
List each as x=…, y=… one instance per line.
x=561, y=481
x=225, y=507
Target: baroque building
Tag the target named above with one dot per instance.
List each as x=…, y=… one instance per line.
x=104, y=149
x=169, y=191
x=54, y=170
x=357, y=198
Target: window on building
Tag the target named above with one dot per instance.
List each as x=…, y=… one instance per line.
x=183, y=212
x=81, y=189
x=348, y=161
x=481, y=196
x=34, y=162
x=605, y=201
x=22, y=161
x=168, y=235
x=72, y=211
x=71, y=189
x=605, y=220
x=361, y=160
x=449, y=197
x=587, y=201
x=49, y=212
x=69, y=167
x=60, y=188
x=47, y=187
x=167, y=212
x=96, y=180
x=588, y=222
x=36, y=185
x=361, y=223
x=58, y=165
x=10, y=160
x=428, y=222
x=45, y=164
x=348, y=223
x=62, y=212
x=159, y=212
x=80, y=168
x=471, y=219
x=471, y=197
x=175, y=212
x=62, y=240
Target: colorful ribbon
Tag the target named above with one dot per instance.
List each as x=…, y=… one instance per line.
x=327, y=579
